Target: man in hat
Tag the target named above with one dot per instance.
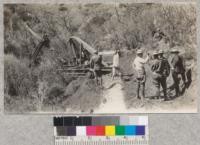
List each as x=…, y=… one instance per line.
x=177, y=67
x=96, y=64
x=165, y=71
x=157, y=69
x=115, y=67
x=138, y=65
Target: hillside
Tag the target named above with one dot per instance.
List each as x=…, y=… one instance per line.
x=41, y=88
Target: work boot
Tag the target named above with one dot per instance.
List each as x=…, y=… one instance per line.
x=138, y=97
x=177, y=94
x=166, y=98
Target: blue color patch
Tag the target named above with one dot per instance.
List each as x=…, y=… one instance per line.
x=130, y=130
x=140, y=130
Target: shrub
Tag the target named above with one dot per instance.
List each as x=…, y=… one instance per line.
x=54, y=94
x=16, y=77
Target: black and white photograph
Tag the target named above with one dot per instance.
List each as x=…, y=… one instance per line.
x=100, y=58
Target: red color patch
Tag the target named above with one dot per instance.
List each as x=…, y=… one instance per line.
x=100, y=130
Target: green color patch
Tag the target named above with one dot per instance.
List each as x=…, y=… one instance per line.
x=120, y=130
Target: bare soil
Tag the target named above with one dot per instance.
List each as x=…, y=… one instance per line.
x=121, y=97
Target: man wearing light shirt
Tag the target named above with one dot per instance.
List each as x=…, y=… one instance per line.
x=115, y=67
x=138, y=65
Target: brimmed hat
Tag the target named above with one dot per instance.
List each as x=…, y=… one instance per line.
x=174, y=50
x=155, y=53
x=161, y=51
x=139, y=51
x=157, y=29
x=96, y=52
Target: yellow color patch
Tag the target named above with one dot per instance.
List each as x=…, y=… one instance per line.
x=110, y=130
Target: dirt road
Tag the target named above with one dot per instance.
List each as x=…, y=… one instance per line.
x=113, y=101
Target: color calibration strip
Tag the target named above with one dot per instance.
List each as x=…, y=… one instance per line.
x=101, y=130
x=109, y=130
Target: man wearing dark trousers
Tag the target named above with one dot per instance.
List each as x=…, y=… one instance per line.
x=96, y=64
x=165, y=71
x=178, y=69
x=157, y=77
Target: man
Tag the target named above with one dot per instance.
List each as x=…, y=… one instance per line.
x=96, y=64
x=158, y=68
x=165, y=71
x=115, y=67
x=177, y=67
x=138, y=65
x=158, y=34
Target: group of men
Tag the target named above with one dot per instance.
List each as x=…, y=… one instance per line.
x=161, y=69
